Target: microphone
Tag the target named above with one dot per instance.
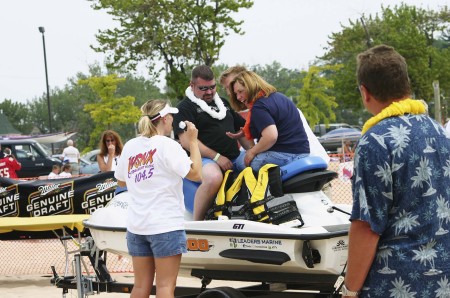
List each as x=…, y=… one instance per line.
x=182, y=125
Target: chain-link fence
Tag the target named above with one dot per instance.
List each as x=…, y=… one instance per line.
x=25, y=257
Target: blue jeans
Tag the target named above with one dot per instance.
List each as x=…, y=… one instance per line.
x=158, y=245
x=275, y=157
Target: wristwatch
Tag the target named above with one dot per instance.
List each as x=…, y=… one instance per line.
x=347, y=292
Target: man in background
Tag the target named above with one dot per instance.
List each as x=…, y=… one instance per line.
x=72, y=155
x=9, y=165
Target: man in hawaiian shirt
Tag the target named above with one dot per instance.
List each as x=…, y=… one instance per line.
x=399, y=242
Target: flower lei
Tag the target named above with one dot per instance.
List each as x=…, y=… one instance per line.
x=204, y=106
x=246, y=128
x=398, y=108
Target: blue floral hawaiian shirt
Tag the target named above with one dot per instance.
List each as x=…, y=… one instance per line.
x=401, y=187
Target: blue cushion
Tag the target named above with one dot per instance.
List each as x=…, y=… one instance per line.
x=302, y=165
x=189, y=189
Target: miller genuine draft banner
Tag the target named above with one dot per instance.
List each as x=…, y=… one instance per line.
x=81, y=195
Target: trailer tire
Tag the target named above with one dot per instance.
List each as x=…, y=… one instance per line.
x=221, y=292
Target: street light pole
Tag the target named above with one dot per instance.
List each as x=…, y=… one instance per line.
x=42, y=30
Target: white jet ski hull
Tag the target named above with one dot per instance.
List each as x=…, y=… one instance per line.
x=319, y=247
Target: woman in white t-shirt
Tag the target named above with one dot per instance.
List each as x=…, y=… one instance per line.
x=152, y=167
x=110, y=149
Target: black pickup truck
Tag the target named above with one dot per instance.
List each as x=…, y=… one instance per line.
x=34, y=158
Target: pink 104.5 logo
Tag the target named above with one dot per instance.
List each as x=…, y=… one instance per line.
x=143, y=175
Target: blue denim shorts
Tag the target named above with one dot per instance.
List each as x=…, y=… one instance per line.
x=157, y=246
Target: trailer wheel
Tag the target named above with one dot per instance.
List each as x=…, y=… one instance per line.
x=221, y=292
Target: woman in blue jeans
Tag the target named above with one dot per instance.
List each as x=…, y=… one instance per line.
x=272, y=119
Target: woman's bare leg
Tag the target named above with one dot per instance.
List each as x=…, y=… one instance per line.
x=144, y=274
x=166, y=275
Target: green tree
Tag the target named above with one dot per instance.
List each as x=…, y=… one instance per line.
x=39, y=116
x=140, y=88
x=178, y=33
x=287, y=81
x=413, y=32
x=108, y=110
x=18, y=115
x=316, y=100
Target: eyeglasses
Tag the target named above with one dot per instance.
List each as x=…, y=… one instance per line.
x=205, y=88
x=109, y=141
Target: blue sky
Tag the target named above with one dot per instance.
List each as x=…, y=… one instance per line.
x=296, y=31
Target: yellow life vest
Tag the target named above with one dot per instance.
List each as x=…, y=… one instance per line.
x=248, y=198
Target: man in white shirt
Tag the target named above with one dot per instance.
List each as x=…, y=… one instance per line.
x=72, y=154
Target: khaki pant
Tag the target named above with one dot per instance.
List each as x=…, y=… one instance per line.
x=75, y=168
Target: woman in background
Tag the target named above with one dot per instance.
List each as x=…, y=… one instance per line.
x=110, y=150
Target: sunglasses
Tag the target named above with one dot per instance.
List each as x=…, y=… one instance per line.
x=109, y=141
x=205, y=88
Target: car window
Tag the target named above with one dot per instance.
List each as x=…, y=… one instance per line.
x=28, y=150
x=21, y=153
x=333, y=127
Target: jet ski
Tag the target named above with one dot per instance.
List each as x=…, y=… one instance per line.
x=248, y=250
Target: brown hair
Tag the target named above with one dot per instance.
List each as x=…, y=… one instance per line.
x=66, y=166
x=234, y=70
x=202, y=71
x=253, y=84
x=103, y=146
x=384, y=73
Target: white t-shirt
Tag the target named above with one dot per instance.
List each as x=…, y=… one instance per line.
x=65, y=175
x=447, y=128
x=153, y=169
x=114, y=162
x=53, y=176
x=71, y=153
x=315, y=148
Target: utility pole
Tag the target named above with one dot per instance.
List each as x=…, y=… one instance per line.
x=437, y=102
x=42, y=30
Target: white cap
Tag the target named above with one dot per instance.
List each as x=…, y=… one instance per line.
x=166, y=110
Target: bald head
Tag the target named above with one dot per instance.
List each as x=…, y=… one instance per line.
x=69, y=143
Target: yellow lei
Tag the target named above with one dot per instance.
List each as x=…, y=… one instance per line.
x=398, y=108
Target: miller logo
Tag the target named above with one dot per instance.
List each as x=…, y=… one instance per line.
x=101, y=187
x=99, y=196
x=45, y=189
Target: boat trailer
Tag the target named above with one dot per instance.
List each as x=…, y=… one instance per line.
x=270, y=284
